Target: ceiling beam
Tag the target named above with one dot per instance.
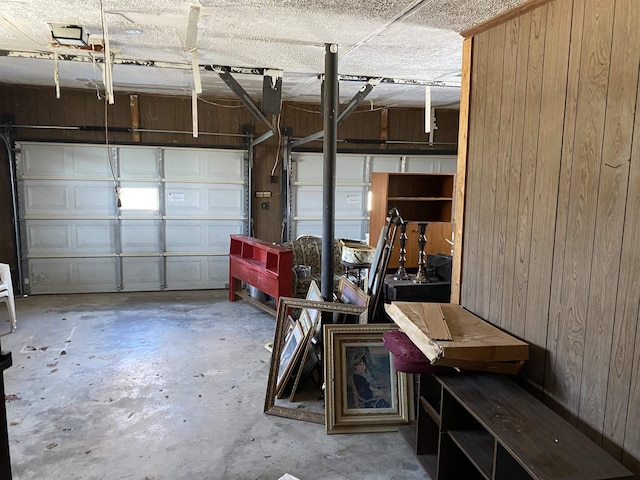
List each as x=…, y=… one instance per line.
x=351, y=106
x=242, y=94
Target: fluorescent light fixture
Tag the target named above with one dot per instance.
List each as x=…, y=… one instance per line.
x=69, y=34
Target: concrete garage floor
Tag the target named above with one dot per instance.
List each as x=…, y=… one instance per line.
x=165, y=385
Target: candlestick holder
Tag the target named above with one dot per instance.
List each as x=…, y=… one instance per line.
x=401, y=273
x=421, y=276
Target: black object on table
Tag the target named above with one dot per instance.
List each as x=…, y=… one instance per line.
x=433, y=290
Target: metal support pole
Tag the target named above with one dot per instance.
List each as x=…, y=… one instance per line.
x=330, y=148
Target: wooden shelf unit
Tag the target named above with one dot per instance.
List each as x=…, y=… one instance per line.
x=264, y=265
x=486, y=427
x=419, y=197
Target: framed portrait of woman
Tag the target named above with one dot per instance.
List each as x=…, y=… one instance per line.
x=364, y=393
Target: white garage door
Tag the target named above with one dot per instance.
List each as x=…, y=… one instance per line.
x=353, y=180
x=178, y=207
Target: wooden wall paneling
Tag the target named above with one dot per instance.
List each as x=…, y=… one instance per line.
x=488, y=186
x=583, y=203
x=471, y=259
x=446, y=131
x=521, y=33
x=461, y=175
x=408, y=124
x=504, y=159
x=609, y=224
x=553, y=388
x=545, y=197
x=515, y=12
x=533, y=106
x=623, y=88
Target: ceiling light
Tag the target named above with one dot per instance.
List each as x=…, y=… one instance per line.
x=133, y=31
x=69, y=34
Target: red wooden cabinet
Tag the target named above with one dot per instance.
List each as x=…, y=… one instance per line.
x=266, y=266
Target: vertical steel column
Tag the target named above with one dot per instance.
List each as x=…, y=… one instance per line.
x=330, y=110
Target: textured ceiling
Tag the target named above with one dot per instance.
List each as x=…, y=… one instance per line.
x=410, y=43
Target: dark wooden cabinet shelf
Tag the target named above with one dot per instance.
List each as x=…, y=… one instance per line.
x=419, y=197
x=486, y=427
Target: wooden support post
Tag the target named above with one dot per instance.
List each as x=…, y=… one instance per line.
x=384, y=126
x=135, y=117
x=463, y=132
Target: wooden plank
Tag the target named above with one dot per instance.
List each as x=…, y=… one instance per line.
x=585, y=174
x=503, y=155
x=520, y=33
x=474, y=171
x=461, y=175
x=473, y=339
x=621, y=59
x=489, y=160
x=135, y=117
x=429, y=318
x=528, y=172
x=546, y=186
x=552, y=388
x=623, y=386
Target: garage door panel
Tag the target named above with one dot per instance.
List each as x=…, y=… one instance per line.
x=78, y=239
x=384, y=163
x=197, y=272
x=71, y=237
x=308, y=168
x=70, y=161
x=343, y=228
x=72, y=275
x=348, y=201
x=139, y=163
x=434, y=164
x=69, y=198
x=140, y=236
x=350, y=168
x=213, y=165
x=141, y=273
x=190, y=200
x=211, y=236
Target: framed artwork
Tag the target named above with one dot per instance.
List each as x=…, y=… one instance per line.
x=284, y=407
x=291, y=344
x=363, y=391
x=313, y=294
x=349, y=292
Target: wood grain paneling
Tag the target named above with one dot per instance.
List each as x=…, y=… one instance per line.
x=504, y=158
x=489, y=169
x=553, y=387
x=519, y=31
x=545, y=196
x=605, y=265
x=569, y=268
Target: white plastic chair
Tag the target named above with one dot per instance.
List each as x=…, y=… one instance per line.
x=6, y=293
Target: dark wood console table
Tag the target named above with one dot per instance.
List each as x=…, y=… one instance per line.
x=485, y=426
